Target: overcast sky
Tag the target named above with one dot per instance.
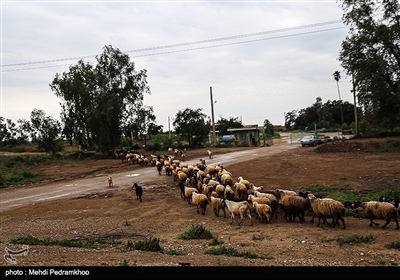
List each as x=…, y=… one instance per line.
x=262, y=59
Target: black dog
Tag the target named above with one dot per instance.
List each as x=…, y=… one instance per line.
x=138, y=190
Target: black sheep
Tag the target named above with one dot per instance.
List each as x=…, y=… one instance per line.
x=138, y=190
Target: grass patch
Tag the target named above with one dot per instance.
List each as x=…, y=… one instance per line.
x=175, y=253
x=222, y=250
x=196, y=232
x=30, y=240
x=214, y=242
x=393, y=245
x=355, y=239
x=151, y=244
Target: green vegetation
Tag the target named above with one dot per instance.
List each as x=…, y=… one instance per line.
x=222, y=250
x=152, y=244
x=196, y=232
x=355, y=239
x=393, y=245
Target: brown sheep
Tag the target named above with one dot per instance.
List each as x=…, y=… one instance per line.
x=241, y=190
x=264, y=212
x=188, y=194
x=327, y=208
x=377, y=210
x=200, y=201
x=218, y=204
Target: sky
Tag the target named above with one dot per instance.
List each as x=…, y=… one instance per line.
x=257, y=59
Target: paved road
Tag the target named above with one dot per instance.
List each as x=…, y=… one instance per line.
x=14, y=197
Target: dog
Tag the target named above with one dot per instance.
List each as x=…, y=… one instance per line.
x=110, y=182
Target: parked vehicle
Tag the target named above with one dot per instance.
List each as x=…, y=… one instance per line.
x=310, y=140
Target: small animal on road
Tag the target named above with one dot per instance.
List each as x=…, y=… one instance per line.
x=138, y=190
x=110, y=182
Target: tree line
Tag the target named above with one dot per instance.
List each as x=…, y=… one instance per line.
x=102, y=105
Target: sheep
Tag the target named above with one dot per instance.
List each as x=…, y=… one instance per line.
x=394, y=201
x=281, y=193
x=182, y=189
x=238, y=208
x=326, y=207
x=377, y=210
x=264, y=212
x=188, y=194
x=244, y=182
x=139, y=191
x=110, y=182
x=201, y=202
x=208, y=189
x=218, y=204
x=294, y=205
x=226, y=179
x=272, y=202
x=220, y=190
x=229, y=193
x=159, y=166
x=241, y=190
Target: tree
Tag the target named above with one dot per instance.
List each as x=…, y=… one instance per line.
x=224, y=124
x=371, y=54
x=269, y=128
x=336, y=76
x=100, y=101
x=191, y=124
x=47, y=131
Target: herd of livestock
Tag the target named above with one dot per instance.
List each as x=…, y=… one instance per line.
x=202, y=185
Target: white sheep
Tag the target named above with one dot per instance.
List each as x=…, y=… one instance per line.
x=238, y=208
x=327, y=208
x=218, y=204
x=377, y=210
x=264, y=212
x=200, y=201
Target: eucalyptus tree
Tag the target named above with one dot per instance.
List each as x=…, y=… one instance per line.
x=99, y=101
x=371, y=54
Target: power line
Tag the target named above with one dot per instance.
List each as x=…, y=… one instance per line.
x=189, y=43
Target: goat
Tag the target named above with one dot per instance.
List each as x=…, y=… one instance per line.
x=238, y=208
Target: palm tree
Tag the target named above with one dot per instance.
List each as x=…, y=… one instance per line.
x=336, y=76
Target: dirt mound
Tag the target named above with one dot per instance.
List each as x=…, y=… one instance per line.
x=364, y=145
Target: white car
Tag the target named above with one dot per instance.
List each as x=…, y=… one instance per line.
x=310, y=140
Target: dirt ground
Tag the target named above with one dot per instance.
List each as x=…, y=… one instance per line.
x=115, y=215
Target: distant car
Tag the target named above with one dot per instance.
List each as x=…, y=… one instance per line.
x=310, y=140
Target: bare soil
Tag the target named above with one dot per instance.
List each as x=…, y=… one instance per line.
x=115, y=215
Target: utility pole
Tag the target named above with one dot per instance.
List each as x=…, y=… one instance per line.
x=169, y=129
x=212, y=117
x=355, y=105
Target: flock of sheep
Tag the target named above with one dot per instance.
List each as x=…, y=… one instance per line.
x=202, y=185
